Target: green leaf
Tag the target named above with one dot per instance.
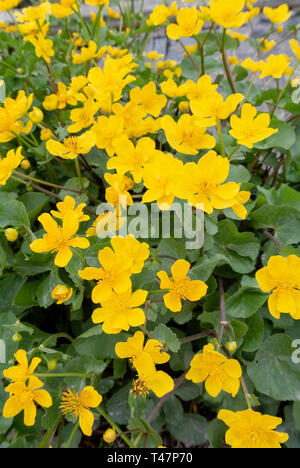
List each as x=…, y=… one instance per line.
x=245, y=303
x=167, y=337
x=273, y=371
x=34, y=203
x=118, y=407
x=254, y=336
x=285, y=138
x=13, y=213
x=192, y=430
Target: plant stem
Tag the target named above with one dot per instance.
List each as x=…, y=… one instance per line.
x=49, y=184
x=72, y=435
x=44, y=442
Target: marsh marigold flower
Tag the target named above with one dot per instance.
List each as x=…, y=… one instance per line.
x=251, y=429
x=276, y=66
x=188, y=135
x=132, y=158
x=132, y=250
x=180, y=286
x=21, y=371
x=59, y=239
x=72, y=146
x=61, y=293
x=149, y=379
x=189, y=23
x=83, y=117
x=278, y=15
x=11, y=114
x=23, y=397
x=249, y=129
x=212, y=106
x=64, y=8
x=228, y=13
x=121, y=311
x=218, y=372
x=281, y=277
x=78, y=403
x=43, y=47
x=10, y=162
x=207, y=185
x=148, y=99
x=114, y=275
x=134, y=347
x=69, y=204
x=160, y=178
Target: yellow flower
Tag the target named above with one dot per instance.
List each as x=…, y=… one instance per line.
x=212, y=106
x=97, y=3
x=134, y=253
x=61, y=293
x=153, y=55
x=228, y=14
x=180, y=286
x=188, y=135
x=276, y=66
x=108, y=84
x=132, y=159
x=249, y=129
x=151, y=102
x=58, y=239
x=78, y=403
x=253, y=66
x=72, y=146
x=112, y=13
x=281, y=276
x=251, y=429
x=88, y=53
x=218, y=372
x=121, y=311
x=43, y=47
x=278, y=15
x=202, y=89
x=107, y=130
x=295, y=48
x=67, y=205
x=23, y=398
x=10, y=162
x=160, y=178
x=134, y=347
x=22, y=371
x=150, y=379
x=11, y=113
x=6, y=5
x=117, y=193
x=64, y=8
x=112, y=276
x=161, y=13
x=206, y=185
x=83, y=116
x=188, y=24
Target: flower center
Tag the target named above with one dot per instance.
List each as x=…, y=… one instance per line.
x=139, y=388
x=180, y=287
x=70, y=403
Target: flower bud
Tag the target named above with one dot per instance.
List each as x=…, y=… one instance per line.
x=36, y=115
x=46, y=134
x=50, y=102
x=231, y=346
x=11, y=234
x=25, y=164
x=17, y=337
x=52, y=364
x=109, y=435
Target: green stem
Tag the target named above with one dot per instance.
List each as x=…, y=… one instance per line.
x=57, y=335
x=68, y=374
x=245, y=390
x=45, y=440
x=79, y=175
x=42, y=182
x=115, y=426
x=189, y=56
x=84, y=27
x=72, y=435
